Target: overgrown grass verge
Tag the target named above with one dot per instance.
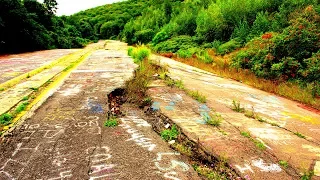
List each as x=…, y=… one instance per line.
x=221, y=66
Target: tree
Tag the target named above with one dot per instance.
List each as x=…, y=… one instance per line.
x=51, y=6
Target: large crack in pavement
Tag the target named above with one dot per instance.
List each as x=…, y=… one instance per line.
x=66, y=137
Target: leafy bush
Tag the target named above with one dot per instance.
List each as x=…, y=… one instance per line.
x=184, y=53
x=228, y=47
x=292, y=54
x=261, y=24
x=174, y=44
x=144, y=36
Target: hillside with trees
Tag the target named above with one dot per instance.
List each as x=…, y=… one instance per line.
x=275, y=40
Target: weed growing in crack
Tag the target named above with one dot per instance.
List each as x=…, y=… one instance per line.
x=307, y=175
x=197, y=96
x=258, y=144
x=236, y=106
x=170, y=134
x=283, y=163
x=245, y=134
x=250, y=113
x=34, y=88
x=300, y=135
x=183, y=149
x=214, y=119
x=111, y=122
x=21, y=107
x=25, y=98
x=5, y=119
x=147, y=101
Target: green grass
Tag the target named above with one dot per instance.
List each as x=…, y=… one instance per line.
x=300, y=135
x=197, y=96
x=283, y=163
x=139, y=53
x=214, y=119
x=111, y=122
x=170, y=134
x=236, y=106
x=146, y=101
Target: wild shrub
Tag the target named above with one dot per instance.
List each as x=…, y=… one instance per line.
x=144, y=36
x=184, y=53
x=228, y=47
x=175, y=43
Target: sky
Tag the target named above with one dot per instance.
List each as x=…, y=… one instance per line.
x=68, y=7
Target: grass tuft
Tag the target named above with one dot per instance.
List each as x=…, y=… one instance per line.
x=214, y=119
x=236, y=106
x=283, y=163
x=197, y=96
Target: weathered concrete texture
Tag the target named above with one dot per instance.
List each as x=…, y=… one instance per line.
x=14, y=65
x=66, y=139
x=12, y=96
x=301, y=154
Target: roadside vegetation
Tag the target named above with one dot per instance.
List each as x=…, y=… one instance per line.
x=270, y=45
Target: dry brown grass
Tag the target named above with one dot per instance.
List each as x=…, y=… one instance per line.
x=221, y=67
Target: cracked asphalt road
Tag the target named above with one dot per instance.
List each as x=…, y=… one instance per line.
x=66, y=138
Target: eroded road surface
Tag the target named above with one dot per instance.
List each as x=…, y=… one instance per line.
x=66, y=138
x=289, y=133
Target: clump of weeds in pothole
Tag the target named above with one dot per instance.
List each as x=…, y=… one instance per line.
x=111, y=122
x=257, y=143
x=170, y=134
x=214, y=119
x=283, y=163
x=236, y=106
